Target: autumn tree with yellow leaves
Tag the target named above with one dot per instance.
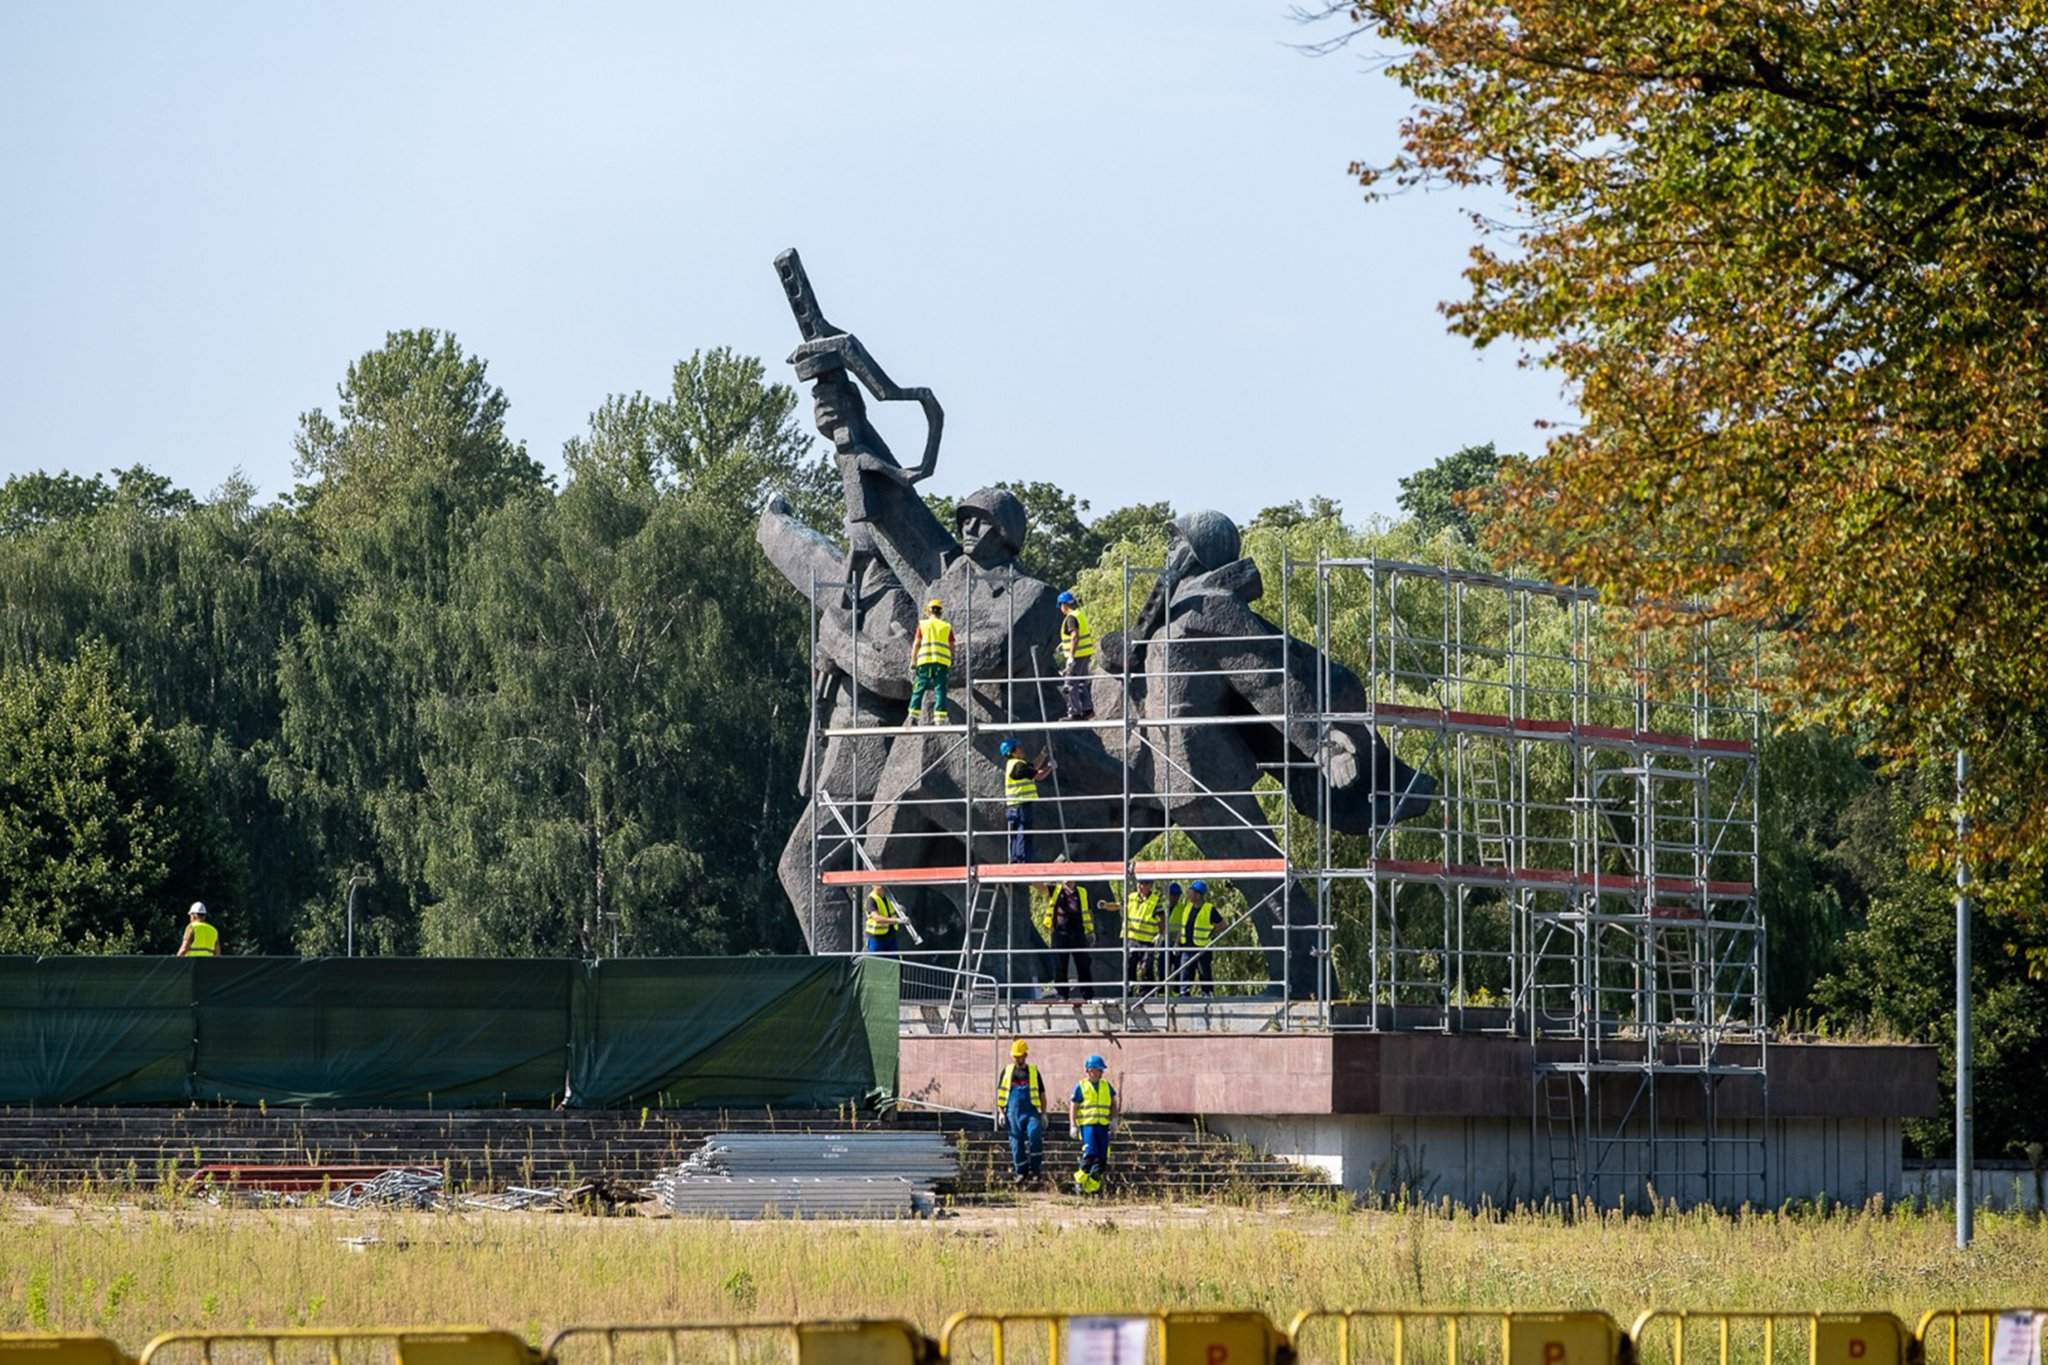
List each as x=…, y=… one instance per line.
x=1788, y=257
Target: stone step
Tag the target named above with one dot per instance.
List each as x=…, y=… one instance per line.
x=482, y=1148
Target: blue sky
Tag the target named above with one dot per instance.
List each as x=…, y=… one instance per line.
x=1118, y=240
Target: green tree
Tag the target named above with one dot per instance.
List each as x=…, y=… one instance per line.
x=1433, y=495
x=1809, y=898
x=1896, y=973
x=394, y=488
x=1785, y=258
x=30, y=502
x=1288, y=515
x=626, y=760
x=103, y=836
x=193, y=600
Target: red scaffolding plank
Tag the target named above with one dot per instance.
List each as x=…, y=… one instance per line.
x=1046, y=872
x=1492, y=720
x=1210, y=867
x=1554, y=876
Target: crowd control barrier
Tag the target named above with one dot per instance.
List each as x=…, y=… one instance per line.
x=876, y=1342
x=342, y=1346
x=1943, y=1336
x=1113, y=1339
x=1455, y=1337
x=1982, y=1336
x=1664, y=1337
x=59, y=1348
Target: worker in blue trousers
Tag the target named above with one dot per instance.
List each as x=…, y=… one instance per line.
x=1020, y=1107
x=879, y=924
x=1020, y=788
x=1077, y=656
x=1090, y=1115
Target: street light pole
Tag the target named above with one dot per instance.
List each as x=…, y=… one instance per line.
x=358, y=879
x=1966, y=1191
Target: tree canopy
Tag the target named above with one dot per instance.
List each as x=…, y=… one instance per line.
x=1787, y=259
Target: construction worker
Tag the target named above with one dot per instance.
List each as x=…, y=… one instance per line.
x=201, y=939
x=931, y=663
x=1090, y=1115
x=1020, y=788
x=1198, y=920
x=1061, y=914
x=1141, y=930
x=1077, y=648
x=1173, y=916
x=879, y=925
x=1020, y=1107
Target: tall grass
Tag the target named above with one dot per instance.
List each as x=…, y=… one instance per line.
x=129, y=1272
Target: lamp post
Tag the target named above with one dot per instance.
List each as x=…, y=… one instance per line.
x=1966, y=1188
x=354, y=881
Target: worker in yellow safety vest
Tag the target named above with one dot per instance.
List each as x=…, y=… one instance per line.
x=1142, y=928
x=1020, y=1107
x=1020, y=788
x=1061, y=914
x=201, y=939
x=931, y=663
x=879, y=925
x=1077, y=648
x=1091, y=1112
x=1194, y=929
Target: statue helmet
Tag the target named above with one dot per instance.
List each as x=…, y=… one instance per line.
x=1211, y=535
x=1000, y=506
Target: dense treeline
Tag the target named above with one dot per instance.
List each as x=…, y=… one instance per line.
x=526, y=717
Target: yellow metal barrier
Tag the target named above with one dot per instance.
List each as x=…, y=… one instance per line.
x=1111, y=1339
x=1761, y=1338
x=881, y=1342
x=1444, y=1336
x=1982, y=1336
x=59, y=1348
x=342, y=1346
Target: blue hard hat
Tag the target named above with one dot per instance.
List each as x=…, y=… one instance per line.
x=1173, y=891
x=1007, y=747
x=1202, y=887
x=1066, y=599
x=1095, y=1063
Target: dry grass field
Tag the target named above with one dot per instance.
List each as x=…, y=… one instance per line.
x=129, y=1271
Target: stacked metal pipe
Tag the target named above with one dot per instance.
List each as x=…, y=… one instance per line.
x=811, y=1175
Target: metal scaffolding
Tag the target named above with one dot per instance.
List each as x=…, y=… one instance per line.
x=1584, y=876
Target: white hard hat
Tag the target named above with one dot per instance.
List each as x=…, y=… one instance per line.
x=198, y=907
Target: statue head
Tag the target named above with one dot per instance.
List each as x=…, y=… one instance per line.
x=1201, y=541
x=990, y=523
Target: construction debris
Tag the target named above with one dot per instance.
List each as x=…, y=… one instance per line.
x=393, y=1189
x=811, y=1175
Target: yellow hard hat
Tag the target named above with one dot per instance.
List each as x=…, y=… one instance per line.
x=935, y=604
x=1019, y=1048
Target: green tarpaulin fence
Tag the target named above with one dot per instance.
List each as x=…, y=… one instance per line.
x=446, y=1032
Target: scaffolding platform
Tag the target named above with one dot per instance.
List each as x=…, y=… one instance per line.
x=1583, y=878
x=1144, y=869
